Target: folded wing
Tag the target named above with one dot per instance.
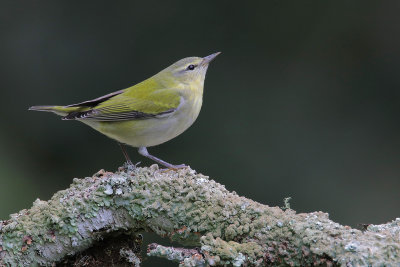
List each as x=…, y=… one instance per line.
x=129, y=104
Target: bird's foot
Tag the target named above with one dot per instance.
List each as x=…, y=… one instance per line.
x=180, y=166
x=143, y=151
x=173, y=167
x=129, y=166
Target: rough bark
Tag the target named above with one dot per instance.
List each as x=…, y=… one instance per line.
x=193, y=210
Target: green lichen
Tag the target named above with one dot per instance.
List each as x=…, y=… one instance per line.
x=231, y=252
x=191, y=209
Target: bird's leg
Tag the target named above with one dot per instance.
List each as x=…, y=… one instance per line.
x=143, y=151
x=128, y=160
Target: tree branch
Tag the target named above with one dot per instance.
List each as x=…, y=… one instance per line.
x=193, y=210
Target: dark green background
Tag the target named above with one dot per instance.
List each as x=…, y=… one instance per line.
x=302, y=102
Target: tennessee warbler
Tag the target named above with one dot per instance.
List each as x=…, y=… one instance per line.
x=148, y=113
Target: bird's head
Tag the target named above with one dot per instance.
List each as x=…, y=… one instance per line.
x=190, y=71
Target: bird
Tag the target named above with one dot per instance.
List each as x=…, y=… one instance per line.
x=149, y=113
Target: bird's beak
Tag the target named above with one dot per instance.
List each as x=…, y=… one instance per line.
x=208, y=59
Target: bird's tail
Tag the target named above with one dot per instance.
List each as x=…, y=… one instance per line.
x=59, y=110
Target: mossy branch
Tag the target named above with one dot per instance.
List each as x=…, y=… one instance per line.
x=193, y=210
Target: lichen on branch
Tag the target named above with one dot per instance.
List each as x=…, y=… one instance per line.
x=193, y=210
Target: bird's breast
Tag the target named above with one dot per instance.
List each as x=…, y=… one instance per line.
x=186, y=113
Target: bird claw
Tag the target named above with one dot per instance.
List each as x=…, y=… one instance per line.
x=129, y=166
x=174, y=167
x=180, y=166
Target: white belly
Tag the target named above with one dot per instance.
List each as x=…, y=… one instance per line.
x=154, y=131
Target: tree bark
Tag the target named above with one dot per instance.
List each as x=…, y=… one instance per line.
x=193, y=210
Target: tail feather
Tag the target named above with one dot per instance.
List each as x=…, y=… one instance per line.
x=59, y=110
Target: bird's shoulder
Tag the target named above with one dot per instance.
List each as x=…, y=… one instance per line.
x=148, y=96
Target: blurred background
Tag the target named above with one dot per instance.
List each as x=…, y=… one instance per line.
x=302, y=102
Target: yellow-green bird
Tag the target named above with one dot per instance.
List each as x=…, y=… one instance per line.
x=148, y=113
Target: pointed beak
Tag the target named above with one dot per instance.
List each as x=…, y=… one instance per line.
x=208, y=59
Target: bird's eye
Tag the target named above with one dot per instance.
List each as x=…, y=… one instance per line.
x=191, y=67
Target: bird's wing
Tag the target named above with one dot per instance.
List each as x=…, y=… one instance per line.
x=138, y=102
x=96, y=101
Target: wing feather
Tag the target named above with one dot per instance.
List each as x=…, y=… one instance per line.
x=137, y=102
x=96, y=101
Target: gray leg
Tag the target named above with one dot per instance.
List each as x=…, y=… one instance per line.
x=143, y=151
